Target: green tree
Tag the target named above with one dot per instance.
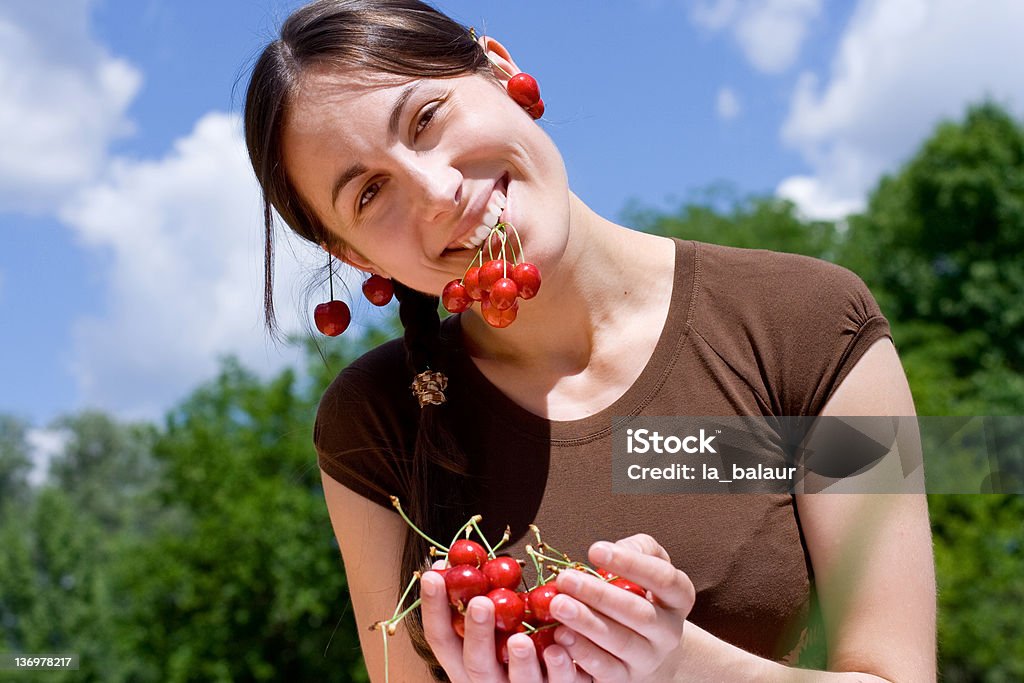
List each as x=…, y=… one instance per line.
x=719, y=215
x=15, y=463
x=243, y=580
x=942, y=240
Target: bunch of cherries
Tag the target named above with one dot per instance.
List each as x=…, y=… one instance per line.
x=495, y=283
x=474, y=568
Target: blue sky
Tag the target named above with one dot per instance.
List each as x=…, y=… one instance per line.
x=130, y=258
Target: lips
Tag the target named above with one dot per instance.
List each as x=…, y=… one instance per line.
x=483, y=219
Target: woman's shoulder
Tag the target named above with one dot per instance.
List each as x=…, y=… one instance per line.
x=793, y=325
x=365, y=420
x=764, y=284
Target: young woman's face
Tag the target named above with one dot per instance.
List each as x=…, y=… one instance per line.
x=405, y=172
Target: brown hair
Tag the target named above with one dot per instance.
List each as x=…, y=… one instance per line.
x=403, y=38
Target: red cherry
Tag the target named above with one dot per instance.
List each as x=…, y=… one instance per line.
x=503, y=572
x=537, y=110
x=523, y=89
x=464, y=583
x=455, y=297
x=378, y=290
x=527, y=278
x=472, y=284
x=606, y=574
x=525, y=597
x=332, y=317
x=508, y=609
x=459, y=623
x=491, y=272
x=540, y=603
x=542, y=640
x=496, y=318
x=465, y=551
x=628, y=585
x=504, y=293
x=501, y=646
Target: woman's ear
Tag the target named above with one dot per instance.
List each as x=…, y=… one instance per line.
x=502, y=64
x=351, y=257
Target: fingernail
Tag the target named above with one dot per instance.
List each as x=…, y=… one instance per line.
x=556, y=658
x=601, y=553
x=520, y=649
x=429, y=589
x=479, y=613
x=565, y=637
x=565, y=608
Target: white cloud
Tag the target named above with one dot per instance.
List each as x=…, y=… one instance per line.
x=63, y=100
x=769, y=32
x=185, y=283
x=727, y=104
x=43, y=445
x=901, y=66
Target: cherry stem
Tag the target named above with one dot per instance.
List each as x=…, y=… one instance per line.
x=522, y=256
x=387, y=667
x=464, y=527
x=491, y=60
x=536, y=565
x=504, y=538
x=330, y=273
x=490, y=550
x=412, y=582
x=398, y=506
x=398, y=617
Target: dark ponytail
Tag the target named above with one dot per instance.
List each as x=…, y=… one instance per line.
x=438, y=464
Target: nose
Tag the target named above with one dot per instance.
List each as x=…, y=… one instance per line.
x=439, y=190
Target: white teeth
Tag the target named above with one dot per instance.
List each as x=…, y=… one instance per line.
x=490, y=218
x=478, y=237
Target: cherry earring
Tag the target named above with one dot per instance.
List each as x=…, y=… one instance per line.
x=522, y=87
x=333, y=317
x=524, y=90
x=378, y=290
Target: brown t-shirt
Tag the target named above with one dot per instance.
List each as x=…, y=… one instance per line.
x=749, y=332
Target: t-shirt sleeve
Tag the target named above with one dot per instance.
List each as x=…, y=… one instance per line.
x=790, y=327
x=831, y=319
x=360, y=437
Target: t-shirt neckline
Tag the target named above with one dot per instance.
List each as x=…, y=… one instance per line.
x=631, y=402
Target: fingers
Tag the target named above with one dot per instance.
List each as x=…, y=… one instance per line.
x=620, y=641
x=592, y=659
x=640, y=559
x=437, y=622
x=638, y=615
x=479, y=657
x=523, y=665
x=560, y=668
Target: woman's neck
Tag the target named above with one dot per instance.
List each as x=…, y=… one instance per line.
x=608, y=277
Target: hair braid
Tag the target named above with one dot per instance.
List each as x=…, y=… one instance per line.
x=438, y=463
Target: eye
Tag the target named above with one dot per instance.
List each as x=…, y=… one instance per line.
x=426, y=117
x=369, y=193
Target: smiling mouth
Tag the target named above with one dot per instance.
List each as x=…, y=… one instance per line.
x=490, y=219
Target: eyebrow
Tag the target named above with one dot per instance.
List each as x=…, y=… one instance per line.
x=357, y=169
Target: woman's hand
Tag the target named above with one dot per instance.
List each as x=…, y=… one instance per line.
x=615, y=635
x=474, y=660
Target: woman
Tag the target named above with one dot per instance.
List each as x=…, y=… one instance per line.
x=383, y=132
